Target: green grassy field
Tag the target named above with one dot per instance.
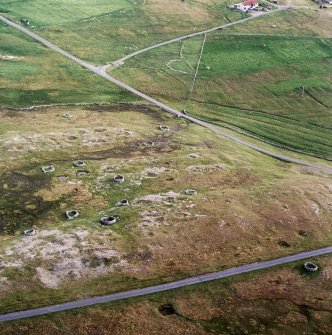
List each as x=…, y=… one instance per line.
x=104, y=31
x=166, y=72
x=270, y=87
x=300, y=22
x=275, y=87
x=60, y=12
x=30, y=74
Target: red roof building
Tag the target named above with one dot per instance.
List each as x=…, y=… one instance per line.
x=250, y=3
x=246, y=5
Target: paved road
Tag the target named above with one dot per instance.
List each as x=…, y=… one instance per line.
x=164, y=287
x=102, y=72
x=180, y=38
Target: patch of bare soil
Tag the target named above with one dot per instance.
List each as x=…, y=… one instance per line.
x=153, y=172
x=108, y=170
x=210, y=168
x=10, y=57
x=133, y=149
x=155, y=208
x=61, y=255
x=16, y=144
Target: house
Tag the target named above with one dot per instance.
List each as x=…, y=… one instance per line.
x=246, y=5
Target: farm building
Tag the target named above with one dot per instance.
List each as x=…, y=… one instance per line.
x=246, y=5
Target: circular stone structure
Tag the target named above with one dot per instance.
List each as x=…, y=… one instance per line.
x=108, y=220
x=67, y=115
x=164, y=128
x=72, y=214
x=29, y=232
x=123, y=202
x=310, y=267
x=190, y=192
x=48, y=169
x=118, y=179
x=79, y=163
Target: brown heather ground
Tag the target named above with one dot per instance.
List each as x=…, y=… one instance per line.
x=275, y=302
x=248, y=207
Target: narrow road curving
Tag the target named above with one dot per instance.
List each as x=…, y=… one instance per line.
x=101, y=71
x=164, y=287
x=180, y=38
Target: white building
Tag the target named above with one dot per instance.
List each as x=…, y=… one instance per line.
x=246, y=5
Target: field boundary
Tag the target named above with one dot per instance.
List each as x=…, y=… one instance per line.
x=76, y=104
x=196, y=73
